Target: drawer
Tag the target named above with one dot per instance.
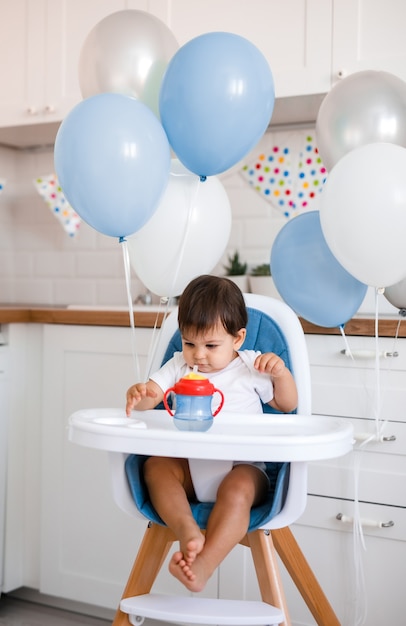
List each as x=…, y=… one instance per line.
x=336, y=559
x=328, y=350
x=357, y=388
x=374, y=480
x=391, y=439
x=380, y=521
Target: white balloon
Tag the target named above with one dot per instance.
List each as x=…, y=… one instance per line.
x=396, y=294
x=365, y=107
x=185, y=237
x=363, y=213
x=127, y=52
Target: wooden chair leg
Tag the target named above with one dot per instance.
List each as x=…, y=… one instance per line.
x=267, y=570
x=152, y=553
x=303, y=577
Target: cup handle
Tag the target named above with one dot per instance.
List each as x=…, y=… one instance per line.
x=220, y=406
x=166, y=405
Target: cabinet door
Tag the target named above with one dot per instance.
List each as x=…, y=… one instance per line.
x=44, y=39
x=22, y=51
x=87, y=544
x=369, y=35
x=68, y=24
x=294, y=36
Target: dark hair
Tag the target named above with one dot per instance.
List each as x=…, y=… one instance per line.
x=208, y=300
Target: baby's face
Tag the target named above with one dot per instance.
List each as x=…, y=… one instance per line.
x=213, y=350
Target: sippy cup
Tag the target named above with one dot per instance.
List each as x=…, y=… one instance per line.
x=194, y=394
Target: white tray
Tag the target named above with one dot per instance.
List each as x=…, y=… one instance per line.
x=248, y=437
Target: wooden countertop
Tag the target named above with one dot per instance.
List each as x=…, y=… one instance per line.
x=146, y=319
x=62, y=315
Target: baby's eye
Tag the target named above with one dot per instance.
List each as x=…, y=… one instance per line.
x=188, y=343
x=211, y=346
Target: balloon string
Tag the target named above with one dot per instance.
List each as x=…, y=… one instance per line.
x=127, y=271
x=359, y=604
x=164, y=303
x=186, y=231
x=165, y=300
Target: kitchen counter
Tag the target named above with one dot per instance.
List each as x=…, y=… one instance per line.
x=362, y=326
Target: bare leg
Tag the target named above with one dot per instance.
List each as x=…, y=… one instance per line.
x=242, y=488
x=170, y=488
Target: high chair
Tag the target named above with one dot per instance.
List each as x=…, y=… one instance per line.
x=272, y=326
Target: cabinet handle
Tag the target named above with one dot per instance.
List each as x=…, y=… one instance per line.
x=372, y=523
x=49, y=108
x=32, y=110
x=369, y=436
x=342, y=73
x=367, y=354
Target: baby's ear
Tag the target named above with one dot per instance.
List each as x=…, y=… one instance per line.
x=240, y=338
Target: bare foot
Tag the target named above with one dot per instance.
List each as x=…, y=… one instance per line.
x=191, y=547
x=192, y=577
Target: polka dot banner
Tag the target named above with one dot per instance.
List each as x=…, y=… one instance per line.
x=288, y=172
x=49, y=188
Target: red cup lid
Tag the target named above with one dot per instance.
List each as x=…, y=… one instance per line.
x=194, y=385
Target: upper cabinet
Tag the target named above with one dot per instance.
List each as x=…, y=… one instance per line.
x=369, y=35
x=294, y=36
x=309, y=44
x=40, y=44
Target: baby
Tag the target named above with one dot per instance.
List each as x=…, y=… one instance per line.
x=212, y=320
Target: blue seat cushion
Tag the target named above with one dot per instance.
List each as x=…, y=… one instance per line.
x=263, y=334
x=278, y=474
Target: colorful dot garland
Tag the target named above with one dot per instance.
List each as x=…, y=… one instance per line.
x=48, y=187
x=289, y=173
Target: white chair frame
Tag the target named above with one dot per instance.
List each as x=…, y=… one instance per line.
x=273, y=538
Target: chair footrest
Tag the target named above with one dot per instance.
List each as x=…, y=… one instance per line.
x=196, y=610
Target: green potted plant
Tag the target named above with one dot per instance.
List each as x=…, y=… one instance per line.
x=261, y=270
x=236, y=270
x=261, y=281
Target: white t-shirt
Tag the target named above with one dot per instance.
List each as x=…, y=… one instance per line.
x=242, y=385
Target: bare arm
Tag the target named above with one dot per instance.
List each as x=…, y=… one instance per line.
x=285, y=392
x=143, y=396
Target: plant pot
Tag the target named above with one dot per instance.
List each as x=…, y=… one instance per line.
x=264, y=286
x=240, y=281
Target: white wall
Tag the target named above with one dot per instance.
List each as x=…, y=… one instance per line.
x=41, y=264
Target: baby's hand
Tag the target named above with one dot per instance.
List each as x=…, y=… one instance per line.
x=136, y=393
x=270, y=363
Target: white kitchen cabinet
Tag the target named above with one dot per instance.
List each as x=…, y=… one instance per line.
x=40, y=44
x=87, y=543
x=369, y=35
x=21, y=545
x=376, y=473
x=4, y=423
x=294, y=36
x=369, y=395
x=309, y=44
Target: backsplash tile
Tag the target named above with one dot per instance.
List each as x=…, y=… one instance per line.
x=40, y=263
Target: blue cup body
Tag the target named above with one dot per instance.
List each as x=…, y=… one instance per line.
x=193, y=413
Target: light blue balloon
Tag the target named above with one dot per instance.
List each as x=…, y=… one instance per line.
x=216, y=101
x=112, y=159
x=308, y=276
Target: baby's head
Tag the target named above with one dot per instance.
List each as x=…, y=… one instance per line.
x=209, y=301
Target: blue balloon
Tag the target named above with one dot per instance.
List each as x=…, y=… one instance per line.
x=308, y=276
x=112, y=159
x=216, y=101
